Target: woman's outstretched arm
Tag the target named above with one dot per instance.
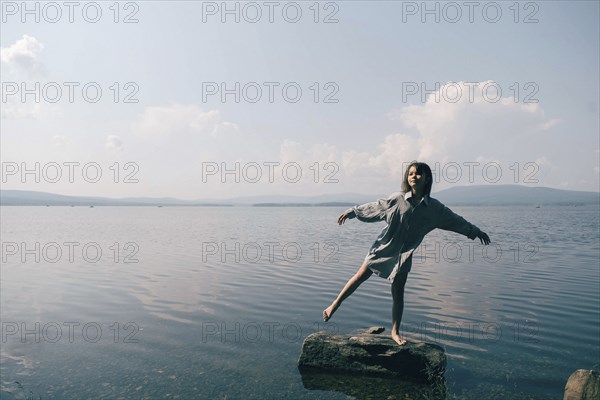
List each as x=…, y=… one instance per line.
x=371, y=212
x=450, y=221
x=343, y=217
x=483, y=238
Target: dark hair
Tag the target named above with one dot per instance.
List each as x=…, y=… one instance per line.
x=422, y=169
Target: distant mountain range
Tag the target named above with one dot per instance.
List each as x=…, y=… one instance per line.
x=491, y=195
x=514, y=195
x=31, y=198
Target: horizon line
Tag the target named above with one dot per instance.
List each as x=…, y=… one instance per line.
x=288, y=195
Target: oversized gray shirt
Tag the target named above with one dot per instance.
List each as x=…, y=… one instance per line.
x=406, y=226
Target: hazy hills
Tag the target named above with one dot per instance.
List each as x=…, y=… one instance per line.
x=513, y=195
x=493, y=195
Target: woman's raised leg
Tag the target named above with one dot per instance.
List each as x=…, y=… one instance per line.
x=361, y=275
x=398, y=304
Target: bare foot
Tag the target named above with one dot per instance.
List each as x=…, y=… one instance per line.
x=398, y=339
x=328, y=312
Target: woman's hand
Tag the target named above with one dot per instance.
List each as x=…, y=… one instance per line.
x=484, y=238
x=342, y=218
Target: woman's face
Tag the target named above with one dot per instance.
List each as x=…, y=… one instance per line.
x=416, y=181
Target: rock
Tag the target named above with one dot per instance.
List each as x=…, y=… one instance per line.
x=372, y=355
x=583, y=385
x=374, y=330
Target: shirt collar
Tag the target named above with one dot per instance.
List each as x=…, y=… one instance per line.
x=408, y=195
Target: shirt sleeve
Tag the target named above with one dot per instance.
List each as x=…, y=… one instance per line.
x=374, y=211
x=450, y=221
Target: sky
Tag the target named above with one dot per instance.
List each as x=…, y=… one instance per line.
x=200, y=100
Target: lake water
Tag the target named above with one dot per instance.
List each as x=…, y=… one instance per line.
x=148, y=302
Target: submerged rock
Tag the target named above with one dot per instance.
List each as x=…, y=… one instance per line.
x=583, y=385
x=373, y=354
x=362, y=387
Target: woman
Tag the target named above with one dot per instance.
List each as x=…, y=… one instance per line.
x=409, y=215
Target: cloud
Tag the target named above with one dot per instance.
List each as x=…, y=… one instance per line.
x=550, y=124
x=475, y=126
x=14, y=108
x=181, y=119
x=324, y=152
x=114, y=144
x=505, y=133
x=59, y=140
x=386, y=162
x=444, y=133
x=21, y=59
x=292, y=151
x=22, y=56
x=543, y=161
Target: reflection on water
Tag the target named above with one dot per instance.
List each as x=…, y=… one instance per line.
x=364, y=388
x=215, y=302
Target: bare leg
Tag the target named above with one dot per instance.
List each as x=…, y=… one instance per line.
x=362, y=275
x=398, y=305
